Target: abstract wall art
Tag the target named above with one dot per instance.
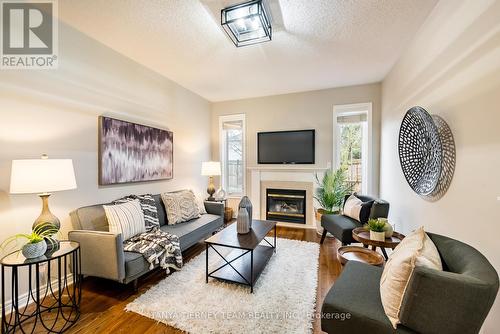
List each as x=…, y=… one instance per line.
x=427, y=153
x=130, y=152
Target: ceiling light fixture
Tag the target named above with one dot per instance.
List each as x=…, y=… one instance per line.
x=247, y=23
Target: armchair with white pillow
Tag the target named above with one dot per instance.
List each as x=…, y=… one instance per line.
x=356, y=212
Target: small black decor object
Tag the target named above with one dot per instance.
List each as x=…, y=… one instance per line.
x=427, y=153
x=246, y=204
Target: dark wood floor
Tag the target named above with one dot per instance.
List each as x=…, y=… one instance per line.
x=104, y=301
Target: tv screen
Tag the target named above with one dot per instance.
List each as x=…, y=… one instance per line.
x=286, y=147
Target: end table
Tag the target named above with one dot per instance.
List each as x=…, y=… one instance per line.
x=52, y=306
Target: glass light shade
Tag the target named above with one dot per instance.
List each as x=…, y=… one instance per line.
x=247, y=23
x=32, y=176
x=210, y=168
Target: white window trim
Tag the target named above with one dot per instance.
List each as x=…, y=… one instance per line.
x=353, y=109
x=222, y=153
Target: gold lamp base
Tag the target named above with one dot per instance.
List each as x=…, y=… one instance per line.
x=47, y=217
x=211, y=189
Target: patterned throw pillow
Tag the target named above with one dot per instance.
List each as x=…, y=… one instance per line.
x=126, y=219
x=181, y=206
x=148, y=207
x=201, y=205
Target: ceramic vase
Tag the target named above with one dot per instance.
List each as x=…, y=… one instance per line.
x=242, y=222
x=377, y=236
x=31, y=251
x=247, y=205
x=389, y=230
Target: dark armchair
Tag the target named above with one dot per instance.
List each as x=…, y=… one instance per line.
x=454, y=300
x=341, y=226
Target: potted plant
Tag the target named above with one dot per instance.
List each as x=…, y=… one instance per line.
x=36, y=242
x=377, y=229
x=330, y=193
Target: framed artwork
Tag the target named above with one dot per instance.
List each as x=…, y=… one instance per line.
x=130, y=152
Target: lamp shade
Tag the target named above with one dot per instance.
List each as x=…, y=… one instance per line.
x=33, y=176
x=210, y=168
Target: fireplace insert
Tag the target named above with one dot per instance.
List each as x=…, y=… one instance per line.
x=286, y=205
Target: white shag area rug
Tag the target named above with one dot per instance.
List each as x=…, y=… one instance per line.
x=283, y=300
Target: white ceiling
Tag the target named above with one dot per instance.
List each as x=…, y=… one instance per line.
x=316, y=44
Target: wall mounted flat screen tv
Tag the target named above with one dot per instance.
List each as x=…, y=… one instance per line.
x=286, y=147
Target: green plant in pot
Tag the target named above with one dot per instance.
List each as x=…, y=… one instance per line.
x=330, y=193
x=36, y=242
x=376, y=228
x=331, y=190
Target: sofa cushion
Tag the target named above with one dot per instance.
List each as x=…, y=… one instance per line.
x=160, y=208
x=135, y=264
x=340, y=226
x=356, y=292
x=192, y=231
x=189, y=233
x=91, y=218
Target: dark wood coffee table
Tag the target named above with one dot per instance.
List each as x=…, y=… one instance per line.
x=361, y=235
x=247, y=260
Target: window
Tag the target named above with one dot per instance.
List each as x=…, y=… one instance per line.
x=352, y=142
x=232, y=150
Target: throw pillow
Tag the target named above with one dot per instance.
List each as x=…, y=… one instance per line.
x=357, y=209
x=201, y=205
x=181, y=206
x=148, y=206
x=126, y=218
x=417, y=249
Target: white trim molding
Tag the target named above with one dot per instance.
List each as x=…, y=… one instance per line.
x=222, y=151
x=354, y=109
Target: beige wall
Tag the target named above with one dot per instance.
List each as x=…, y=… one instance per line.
x=453, y=70
x=306, y=110
x=56, y=112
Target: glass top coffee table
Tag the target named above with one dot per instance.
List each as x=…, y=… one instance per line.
x=248, y=257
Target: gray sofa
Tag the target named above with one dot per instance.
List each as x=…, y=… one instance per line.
x=102, y=252
x=455, y=300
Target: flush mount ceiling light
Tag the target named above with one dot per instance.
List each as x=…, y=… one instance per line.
x=247, y=23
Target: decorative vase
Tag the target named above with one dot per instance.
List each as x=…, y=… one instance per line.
x=220, y=194
x=31, y=251
x=242, y=222
x=388, y=229
x=377, y=236
x=247, y=204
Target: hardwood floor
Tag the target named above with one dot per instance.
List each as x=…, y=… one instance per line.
x=104, y=301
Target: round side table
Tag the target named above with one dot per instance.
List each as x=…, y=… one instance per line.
x=52, y=301
x=363, y=236
x=356, y=253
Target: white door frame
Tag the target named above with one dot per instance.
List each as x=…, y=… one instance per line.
x=222, y=153
x=352, y=109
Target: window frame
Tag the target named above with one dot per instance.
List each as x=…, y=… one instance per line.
x=367, y=186
x=223, y=152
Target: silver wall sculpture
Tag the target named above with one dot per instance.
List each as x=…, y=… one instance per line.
x=427, y=153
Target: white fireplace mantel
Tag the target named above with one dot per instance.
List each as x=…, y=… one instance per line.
x=289, y=168
x=260, y=175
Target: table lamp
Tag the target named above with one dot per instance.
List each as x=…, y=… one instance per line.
x=210, y=169
x=42, y=176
